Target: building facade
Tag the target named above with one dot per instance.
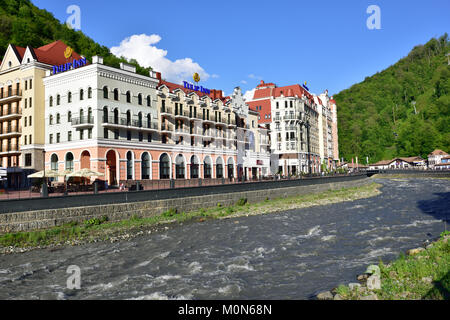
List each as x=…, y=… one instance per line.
x=22, y=108
x=301, y=128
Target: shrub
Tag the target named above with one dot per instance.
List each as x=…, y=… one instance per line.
x=170, y=213
x=242, y=202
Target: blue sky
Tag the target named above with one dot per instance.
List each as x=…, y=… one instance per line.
x=237, y=43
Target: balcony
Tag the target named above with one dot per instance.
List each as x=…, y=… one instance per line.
x=277, y=119
x=12, y=115
x=10, y=95
x=182, y=131
x=231, y=124
x=167, y=112
x=11, y=133
x=289, y=117
x=128, y=124
x=207, y=120
x=10, y=151
x=166, y=128
x=182, y=115
x=83, y=123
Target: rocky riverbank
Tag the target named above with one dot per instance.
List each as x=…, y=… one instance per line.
x=96, y=230
x=421, y=274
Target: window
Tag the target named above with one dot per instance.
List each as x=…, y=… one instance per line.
x=31, y=139
x=129, y=165
x=50, y=138
x=58, y=118
x=116, y=94
x=58, y=100
x=25, y=141
x=145, y=164
x=141, y=136
x=116, y=134
x=25, y=123
x=31, y=102
x=81, y=94
x=149, y=101
x=50, y=120
x=54, y=162
x=129, y=135
x=26, y=85
x=58, y=137
x=149, y=137
x=89, y=93
x=164, y=167
x=128, y=97
x=28, y=162
x=81, y=134
x=31, y=84
x=26, y=103
x=50, y=103
x=69, y=116
x=69, y=136
x=105, y=93
x=140, y=99
x=105, y=133
x=69, y=162
x=69, y=97
x=90, y=134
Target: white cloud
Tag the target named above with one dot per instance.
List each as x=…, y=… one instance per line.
x=244, y=82
x=252, y=76
x=248, y=96
x=142, y=48
x=215, y=76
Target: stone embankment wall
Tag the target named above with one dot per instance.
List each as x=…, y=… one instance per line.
x=412, y=174
x=44, y=219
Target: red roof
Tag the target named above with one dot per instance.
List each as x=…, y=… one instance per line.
x=53, y=53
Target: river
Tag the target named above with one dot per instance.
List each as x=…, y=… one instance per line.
x=290, y=255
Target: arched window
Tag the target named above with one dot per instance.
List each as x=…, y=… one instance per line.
x=130, y=165
x=89, y=93
x=54, y=162
x=164, y=167
x=180, y=167
x=140, y=99
x=69, y=161
x=105, y=93
x=219, y=168
x=58, y=118
x=69, y=97
x=207, y=168
x=116, y=116
x=128, y=96
x=58, y=100
x=50, y=102
x=81, y=94
x=81, y=114
x=149, y=101
x=90, y=120
x=140, y=119
x=116, y=94
x=105, y=115
x=230, y=168
x=145, y=166
x=69, y=116
x=50, y=120
x=194, y=167
x=149, y=121
x=128, y=118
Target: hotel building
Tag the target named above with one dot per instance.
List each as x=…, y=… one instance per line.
x=22, y=107
x=301, y=128
x=142, y=128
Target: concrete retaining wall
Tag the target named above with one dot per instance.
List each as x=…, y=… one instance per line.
x=44, y=219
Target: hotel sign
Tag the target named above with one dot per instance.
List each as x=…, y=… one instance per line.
x=69, y=66
x=190, y=86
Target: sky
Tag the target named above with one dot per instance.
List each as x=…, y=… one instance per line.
x=239, y=43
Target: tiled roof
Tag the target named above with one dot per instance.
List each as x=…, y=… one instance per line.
x=438, y=152
x=53, y=54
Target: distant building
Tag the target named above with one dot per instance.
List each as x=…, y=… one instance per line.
x=445, y=164
x=436, y=157
x=399, y=163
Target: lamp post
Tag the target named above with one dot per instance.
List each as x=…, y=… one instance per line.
x=44, y=183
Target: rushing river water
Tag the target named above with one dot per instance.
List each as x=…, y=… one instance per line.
x=292, y=255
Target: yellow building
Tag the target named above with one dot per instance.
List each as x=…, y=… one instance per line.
x=22, y=101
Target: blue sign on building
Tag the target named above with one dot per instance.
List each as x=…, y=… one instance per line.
x=69, y=66
x=190, y=86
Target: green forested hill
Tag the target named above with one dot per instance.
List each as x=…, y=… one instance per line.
x=22, y=24
x=377, y=118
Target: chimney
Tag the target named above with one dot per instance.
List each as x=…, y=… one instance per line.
x=158, y=76
x=97, y=59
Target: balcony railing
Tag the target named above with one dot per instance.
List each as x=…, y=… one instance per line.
x=166, y=111
x=83, y=121
x=166, y=127
x=131, y=123
x=10, y=94
x=184, y=114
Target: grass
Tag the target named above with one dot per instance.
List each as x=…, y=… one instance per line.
x=424, y=276
x=102, y=230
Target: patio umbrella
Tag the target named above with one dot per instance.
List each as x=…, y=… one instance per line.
x=85, y=173
x=46, y=173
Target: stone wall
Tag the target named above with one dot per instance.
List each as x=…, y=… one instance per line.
x=35, y=220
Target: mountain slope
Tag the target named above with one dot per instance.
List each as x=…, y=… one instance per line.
x=377, y=118
x=22, y=24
